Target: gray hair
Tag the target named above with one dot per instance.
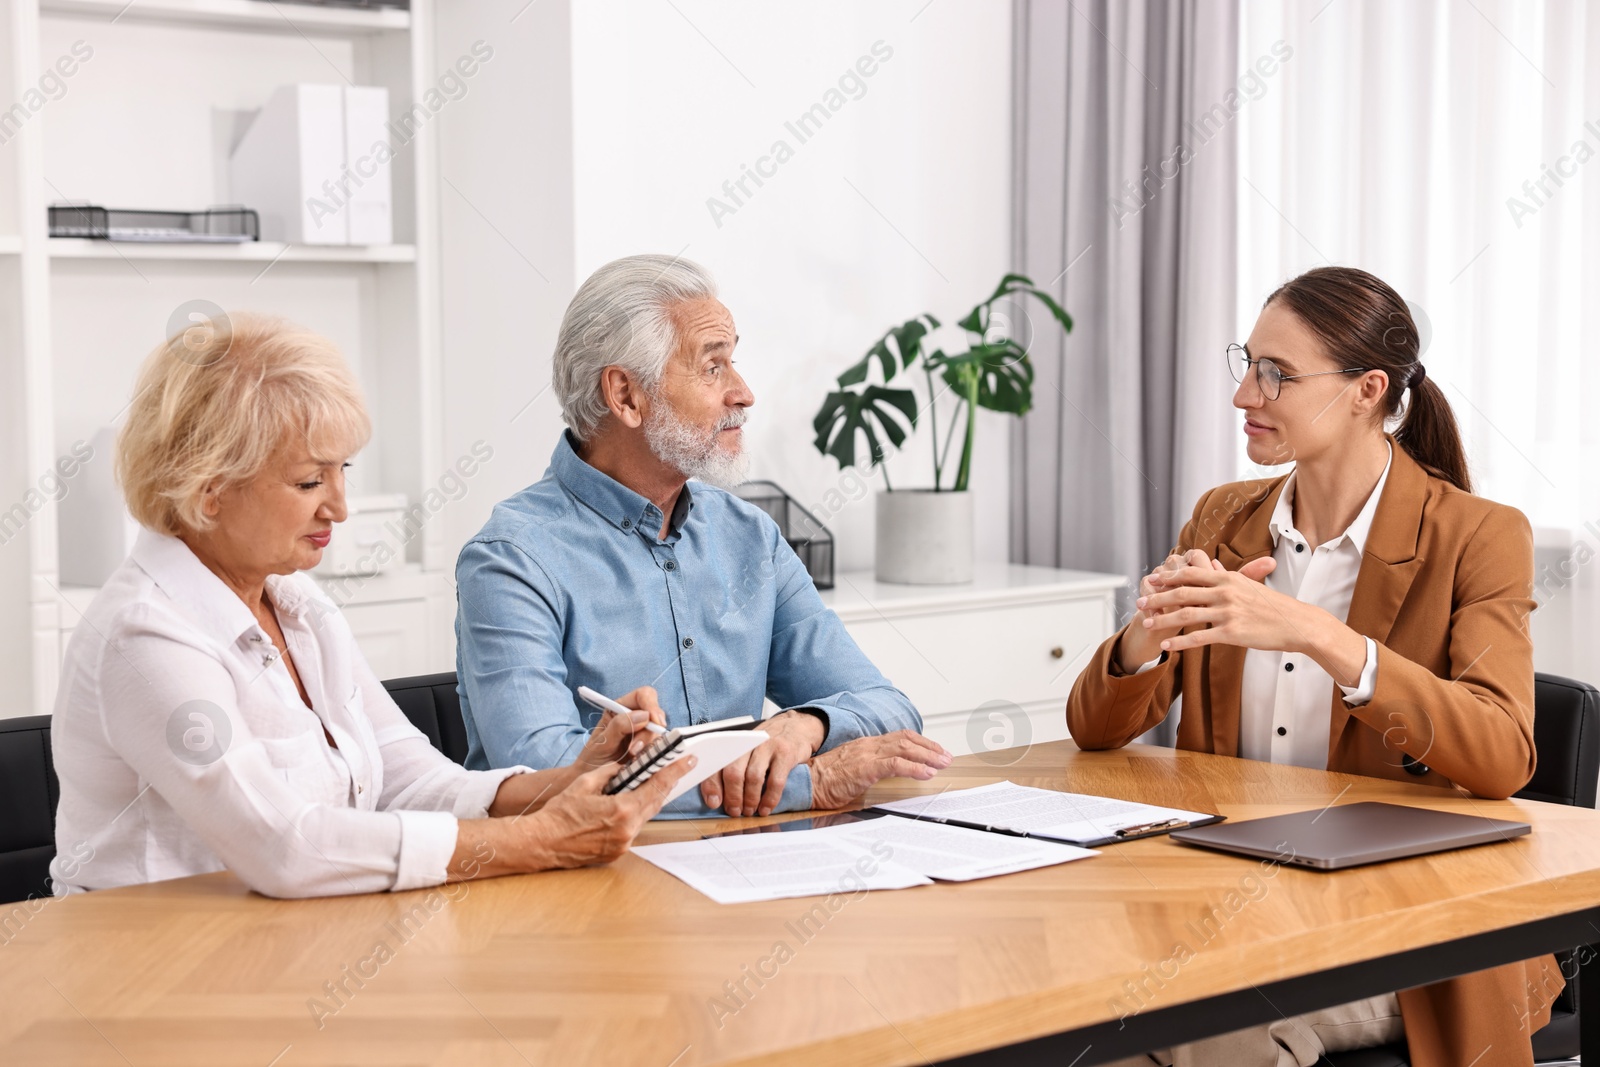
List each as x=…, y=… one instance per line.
x=620, y=317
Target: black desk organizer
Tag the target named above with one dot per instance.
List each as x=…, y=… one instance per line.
x=810, y=539
x=218, y=225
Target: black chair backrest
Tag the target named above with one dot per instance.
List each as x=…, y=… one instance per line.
x=1566, y=736
x=431, y=702
x=28, y=795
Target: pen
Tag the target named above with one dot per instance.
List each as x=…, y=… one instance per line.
x=1152, y=827
x=611, y=705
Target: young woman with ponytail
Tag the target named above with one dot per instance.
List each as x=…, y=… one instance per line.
x=1365, y=613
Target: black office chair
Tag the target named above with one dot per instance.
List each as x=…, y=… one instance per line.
x=1566, y=737
x=28, y=796
x=430, y=701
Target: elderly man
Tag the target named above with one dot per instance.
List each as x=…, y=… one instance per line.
x=613, y=572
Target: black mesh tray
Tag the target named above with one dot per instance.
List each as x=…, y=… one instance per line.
x=218, y=225
x=811, y=540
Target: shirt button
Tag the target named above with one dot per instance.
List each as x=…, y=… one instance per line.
x=688, y=642
x=1283, y=731
x=1288, y=666
x=1299, y=547
x=627, y=524
x=671, y=566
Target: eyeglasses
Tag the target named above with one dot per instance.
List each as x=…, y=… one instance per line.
x=1269, y=379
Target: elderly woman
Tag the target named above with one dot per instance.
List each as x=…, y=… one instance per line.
x=214, y=710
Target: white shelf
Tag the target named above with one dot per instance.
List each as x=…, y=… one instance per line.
x=247, y=15
x=247, y=252
x=71, y=302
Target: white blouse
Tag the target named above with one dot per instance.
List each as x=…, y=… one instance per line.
x=183, y=747
x=1284, y=702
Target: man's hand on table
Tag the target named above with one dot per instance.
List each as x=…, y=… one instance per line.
x=753, y=784
x=843, y=774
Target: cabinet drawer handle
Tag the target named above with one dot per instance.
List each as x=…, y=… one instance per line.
x=1057, y=652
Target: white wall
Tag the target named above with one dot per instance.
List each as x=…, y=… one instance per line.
x=505, y=164
x=899, y=204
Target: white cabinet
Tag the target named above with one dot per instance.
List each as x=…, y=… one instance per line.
x=403, y=621
x=988, y=664
x=393, y=637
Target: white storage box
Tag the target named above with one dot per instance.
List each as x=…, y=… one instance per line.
x=314, y=164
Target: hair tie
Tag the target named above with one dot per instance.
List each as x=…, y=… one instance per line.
x=1416, y=377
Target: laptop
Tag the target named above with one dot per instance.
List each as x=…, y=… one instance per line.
x=1351, y=835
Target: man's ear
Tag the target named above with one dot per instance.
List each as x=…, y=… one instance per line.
x=623, y=397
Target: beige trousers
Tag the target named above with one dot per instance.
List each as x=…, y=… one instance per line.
x=1296, y=1042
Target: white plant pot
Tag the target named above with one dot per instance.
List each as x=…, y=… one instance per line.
x=924, y=537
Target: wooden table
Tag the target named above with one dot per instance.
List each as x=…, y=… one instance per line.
x=626, y=965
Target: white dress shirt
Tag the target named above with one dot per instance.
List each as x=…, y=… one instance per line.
x=1284, y=712
x=183, y=747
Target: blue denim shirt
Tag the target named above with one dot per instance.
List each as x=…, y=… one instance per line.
x=568, y=584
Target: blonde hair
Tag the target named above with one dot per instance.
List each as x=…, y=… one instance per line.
x=214, y=403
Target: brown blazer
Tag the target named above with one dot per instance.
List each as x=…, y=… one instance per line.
x=1445, y=589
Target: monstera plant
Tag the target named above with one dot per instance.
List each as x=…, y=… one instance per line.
x=926, y=536
x=994, y=372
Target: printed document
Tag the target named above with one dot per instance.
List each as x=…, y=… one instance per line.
x=1078, y=818
x=880, y=853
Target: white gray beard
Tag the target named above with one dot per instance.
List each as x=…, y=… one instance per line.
x=690, y=451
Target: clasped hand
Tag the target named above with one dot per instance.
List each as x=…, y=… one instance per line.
x=1218, y=606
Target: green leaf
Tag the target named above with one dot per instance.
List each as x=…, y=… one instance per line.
x=907, y=346
x=1010, y=284
x=1005, y=376
x=909, y=337
x=875, y=410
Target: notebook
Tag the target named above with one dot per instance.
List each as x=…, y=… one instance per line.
x=1351, y=835
x=714, y=744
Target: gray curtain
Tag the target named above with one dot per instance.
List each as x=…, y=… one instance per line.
x=1126, y=122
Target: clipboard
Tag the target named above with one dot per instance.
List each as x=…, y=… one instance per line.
x=1117, y=837
x=986, y=808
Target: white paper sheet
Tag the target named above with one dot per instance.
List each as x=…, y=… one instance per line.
x=885, y=853
x=955, y=853
x=735, y=870
x=1076, y=817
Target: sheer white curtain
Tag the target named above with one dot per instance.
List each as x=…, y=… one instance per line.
x=1452, y=147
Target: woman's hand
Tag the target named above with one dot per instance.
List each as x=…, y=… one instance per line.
x=618, y=738
x=1139, y=644
x=574, y=827
x=1227, y=607
x=582, y=826
x=1235, y=608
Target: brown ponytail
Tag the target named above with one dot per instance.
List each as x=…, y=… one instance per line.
x=1362, y=322
x=1430, y=435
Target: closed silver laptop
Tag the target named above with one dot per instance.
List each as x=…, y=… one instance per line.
x=1350, y=835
